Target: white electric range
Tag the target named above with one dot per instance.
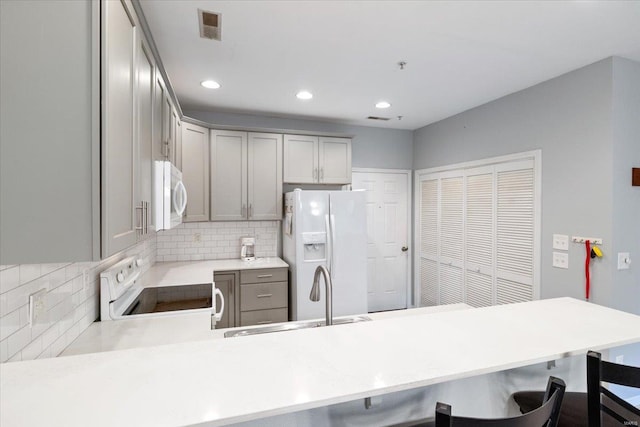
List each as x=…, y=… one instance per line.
x=166, y=289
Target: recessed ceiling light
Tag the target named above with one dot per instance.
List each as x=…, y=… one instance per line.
x=303, y=94
x=210, y=84
x=383, y=104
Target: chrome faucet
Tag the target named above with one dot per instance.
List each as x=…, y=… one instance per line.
x=315, y=291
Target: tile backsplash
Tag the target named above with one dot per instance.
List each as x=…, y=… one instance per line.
x=73, y=289
x=72, y=303
x=195, y=241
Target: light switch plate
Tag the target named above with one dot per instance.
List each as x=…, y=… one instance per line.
x=561, y=242
x=560, y=260
x=624, y=261
x=37, y=306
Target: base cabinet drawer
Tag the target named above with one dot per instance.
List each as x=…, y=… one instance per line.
x=263, y=317
x=264, y=275
x=263, y=296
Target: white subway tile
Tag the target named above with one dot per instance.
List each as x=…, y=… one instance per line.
x=9, y=279
x=17, y=341
x=29, y=272
x=32, y=350
x=4, y=351
x=9, y=324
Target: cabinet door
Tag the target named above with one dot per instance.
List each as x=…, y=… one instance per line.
x=300, y=159
x=144, y=95
x=195, y=173
x=334, y=160
x=167, y=131
x=265, y=176
x=119, y=151
x=228, y=175
x=178, y=143
x=226, y=282
x=158, y=117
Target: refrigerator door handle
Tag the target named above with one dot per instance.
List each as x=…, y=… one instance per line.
x=332, y=220
x=329, y=243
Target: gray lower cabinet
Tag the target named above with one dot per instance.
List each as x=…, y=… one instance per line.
x=227, y=282
x=254, y=297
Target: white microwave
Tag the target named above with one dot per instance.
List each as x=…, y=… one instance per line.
x=170, y=195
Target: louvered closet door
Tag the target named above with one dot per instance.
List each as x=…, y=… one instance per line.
x=429, y=241
x=451, y=238
x=479, y=236
x=515, y=221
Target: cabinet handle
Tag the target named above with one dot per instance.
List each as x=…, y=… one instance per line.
x=264, y=276
x=139, y=218
x=265, y=295
x=264, y=322
x=146, y=217
x=244, y=210
x=315, y=173
x=250, y=210
x=321, y=174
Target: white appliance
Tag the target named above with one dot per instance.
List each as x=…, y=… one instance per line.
x=122, y=295
x=248, y=248
x=326, y=228
x=169, y=195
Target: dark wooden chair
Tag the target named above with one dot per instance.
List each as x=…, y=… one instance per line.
x=605, y=407
x=545, y=415
x=574, y=411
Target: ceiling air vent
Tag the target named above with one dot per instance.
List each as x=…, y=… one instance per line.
x=210, y=25
x=384, y=119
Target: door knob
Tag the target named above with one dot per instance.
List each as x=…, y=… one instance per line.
x=405, y=249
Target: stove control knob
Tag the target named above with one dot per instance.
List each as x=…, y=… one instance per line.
x=120, y=277
x=139, y=262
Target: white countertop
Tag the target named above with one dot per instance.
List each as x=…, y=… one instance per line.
x=194, y=272
x=150, y=331
x=215, y=382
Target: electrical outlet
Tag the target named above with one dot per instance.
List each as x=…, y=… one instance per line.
x=197, y=237
x=561, y=242
x=560, y=260
x=624, y=260
x=37, y=306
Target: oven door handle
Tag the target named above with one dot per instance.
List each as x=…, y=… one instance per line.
x=218, y=315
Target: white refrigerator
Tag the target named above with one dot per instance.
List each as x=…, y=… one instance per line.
x=326, y=228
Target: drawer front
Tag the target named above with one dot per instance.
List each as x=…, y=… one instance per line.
x=264, y=276
x=264, y=296
x=263, y=317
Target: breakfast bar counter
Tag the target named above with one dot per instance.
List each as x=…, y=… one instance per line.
x=221, y=381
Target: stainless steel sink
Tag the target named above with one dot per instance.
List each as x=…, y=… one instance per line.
x=292, y=326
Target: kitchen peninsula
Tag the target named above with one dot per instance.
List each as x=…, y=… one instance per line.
x=221, y=381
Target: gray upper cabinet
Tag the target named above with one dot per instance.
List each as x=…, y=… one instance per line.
x=317, y=160
x=194, y=154
x=264, y=181
x=228, y=175
x=49, y=132
x=119, y=149
x=334, y=160
x=300, y=159
x=145, y=100
x=246, y=176
x=159, y=134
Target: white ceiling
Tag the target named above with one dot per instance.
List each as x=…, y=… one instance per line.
x=459, y=54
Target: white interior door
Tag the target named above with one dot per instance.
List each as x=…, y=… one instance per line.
x=387, y=236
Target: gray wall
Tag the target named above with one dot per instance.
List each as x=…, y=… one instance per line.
x=371, y=147
x=626, y=199
x=569, y=119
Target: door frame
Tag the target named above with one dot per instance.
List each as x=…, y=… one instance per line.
x=411, y=300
